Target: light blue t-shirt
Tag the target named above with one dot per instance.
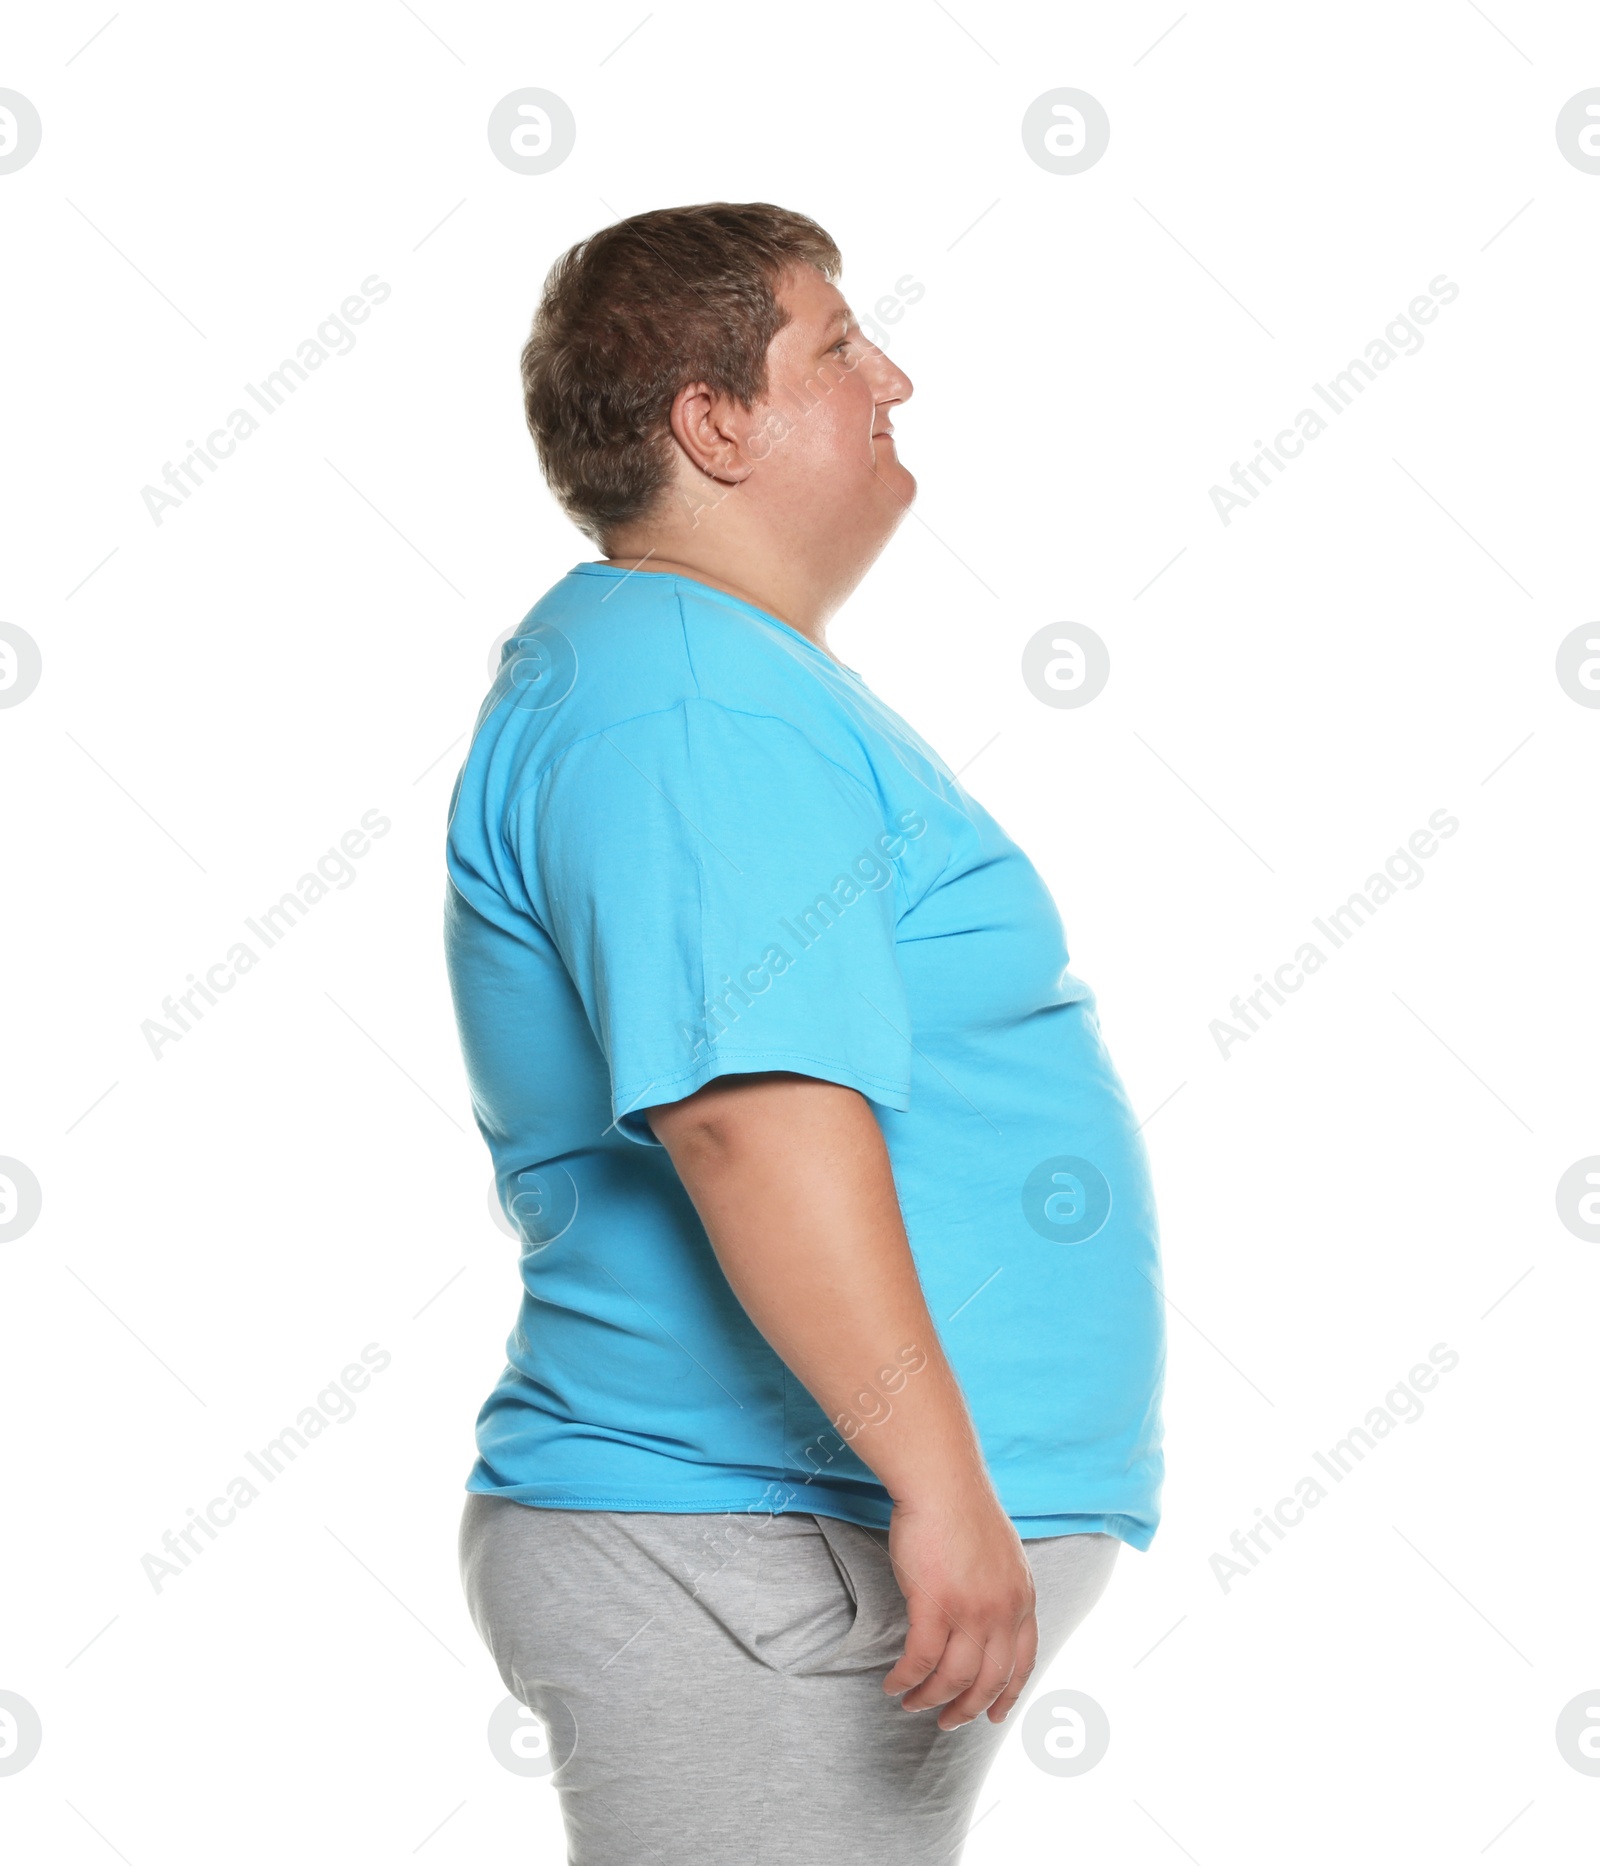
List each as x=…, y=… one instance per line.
x=687, y=843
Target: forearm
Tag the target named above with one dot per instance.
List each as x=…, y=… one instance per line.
x=792, y=1181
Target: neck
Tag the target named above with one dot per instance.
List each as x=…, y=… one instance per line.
x=768, y=580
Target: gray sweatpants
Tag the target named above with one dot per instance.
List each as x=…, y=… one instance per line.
x=711, y=1685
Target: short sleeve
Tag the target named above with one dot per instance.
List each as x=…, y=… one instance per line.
x=724, y=898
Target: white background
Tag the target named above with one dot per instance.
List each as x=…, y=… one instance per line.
x=1374, y=639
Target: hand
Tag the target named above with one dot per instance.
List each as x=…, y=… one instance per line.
x=973, y=1633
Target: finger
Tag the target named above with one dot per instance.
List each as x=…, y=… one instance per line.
x=994, y=1674
x=926, y=1636
x=1021, y=1671
x=958, y=1670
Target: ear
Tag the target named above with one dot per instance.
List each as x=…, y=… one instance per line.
x=708, y=428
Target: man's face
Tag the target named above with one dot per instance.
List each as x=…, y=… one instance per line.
x=827, y=465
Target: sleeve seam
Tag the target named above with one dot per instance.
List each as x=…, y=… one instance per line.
x=534, y=779
x=700, y=1075
x=683, y=626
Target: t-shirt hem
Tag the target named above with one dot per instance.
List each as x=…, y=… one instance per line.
x=808, y=1499
x=628, y=1110
x=1135, y=1531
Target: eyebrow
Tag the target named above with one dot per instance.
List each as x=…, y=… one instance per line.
x=840, y=319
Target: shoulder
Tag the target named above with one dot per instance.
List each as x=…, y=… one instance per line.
x=605, y=650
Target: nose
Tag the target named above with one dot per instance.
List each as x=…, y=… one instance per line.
x=890, y=383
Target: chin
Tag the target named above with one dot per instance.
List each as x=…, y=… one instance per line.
x=902, y=484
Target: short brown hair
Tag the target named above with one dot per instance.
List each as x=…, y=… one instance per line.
x=633, y=313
